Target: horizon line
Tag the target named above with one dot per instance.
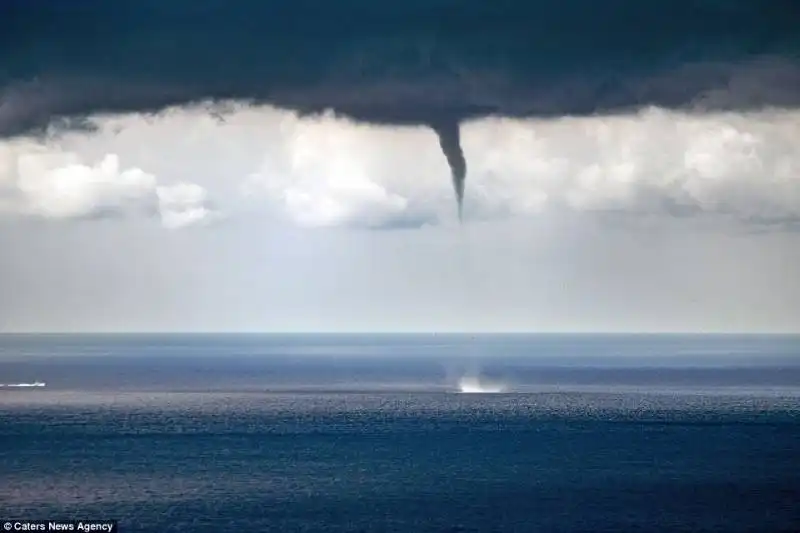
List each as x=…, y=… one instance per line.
x=482, y=333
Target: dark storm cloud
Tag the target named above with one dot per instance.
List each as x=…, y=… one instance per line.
x=402, y=62
x=399, y=62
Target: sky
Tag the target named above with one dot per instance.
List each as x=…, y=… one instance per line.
x=184, y=211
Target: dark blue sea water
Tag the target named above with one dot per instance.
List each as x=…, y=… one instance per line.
x=370, y=433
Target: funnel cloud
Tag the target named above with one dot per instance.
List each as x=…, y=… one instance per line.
x=450, y=141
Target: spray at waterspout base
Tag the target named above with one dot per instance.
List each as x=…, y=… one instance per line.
x=471, y=385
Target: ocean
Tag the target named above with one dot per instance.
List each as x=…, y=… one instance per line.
x=363, y=433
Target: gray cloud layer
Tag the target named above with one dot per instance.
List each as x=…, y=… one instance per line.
x=404, y=62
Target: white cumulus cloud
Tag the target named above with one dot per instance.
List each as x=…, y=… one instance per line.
x=183, y=204
x=654, y=161
x=330, y=171
x=333, y=172
x=327, y=171
x=69, y=189
x=48, y=182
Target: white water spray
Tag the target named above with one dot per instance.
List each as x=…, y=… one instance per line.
x=473, y=385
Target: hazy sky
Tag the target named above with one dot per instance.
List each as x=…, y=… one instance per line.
x=650, y=221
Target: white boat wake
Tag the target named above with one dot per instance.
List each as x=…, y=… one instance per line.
x=22, y=385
